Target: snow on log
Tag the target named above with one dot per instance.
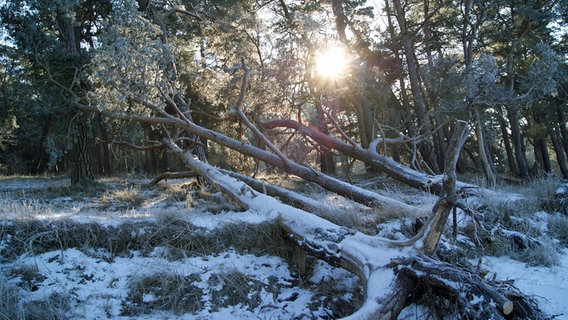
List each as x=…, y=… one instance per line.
x=356, y=252
x=390, y=274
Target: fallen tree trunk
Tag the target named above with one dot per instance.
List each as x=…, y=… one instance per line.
x=295, y=199
x=334, y=185
x=291, y=198
x=172, y=175
x=370, y=156
x=390, y=274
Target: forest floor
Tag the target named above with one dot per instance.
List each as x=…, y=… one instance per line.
x=124, y=250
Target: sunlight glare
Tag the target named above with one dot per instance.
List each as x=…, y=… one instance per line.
x=332, y=62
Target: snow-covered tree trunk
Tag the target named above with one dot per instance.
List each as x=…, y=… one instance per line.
x=390, y=271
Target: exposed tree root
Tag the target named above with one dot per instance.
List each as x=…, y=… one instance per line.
x=473, y=296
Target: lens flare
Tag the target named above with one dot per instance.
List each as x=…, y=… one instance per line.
x=332, y=62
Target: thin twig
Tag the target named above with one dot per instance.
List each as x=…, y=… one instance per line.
x=341, y=132
x=238, y=111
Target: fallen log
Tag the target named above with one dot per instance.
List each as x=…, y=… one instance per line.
x=172, y=175
x=398, y=171
x=391, y=275
x=293, y=198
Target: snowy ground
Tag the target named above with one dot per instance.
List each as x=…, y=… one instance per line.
x=548, y=285
x=151, y=281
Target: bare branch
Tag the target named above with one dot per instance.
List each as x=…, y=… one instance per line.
x=194, y=15
x=239, y=112
x=154, y=146
x=394, y=169
x=341, y=132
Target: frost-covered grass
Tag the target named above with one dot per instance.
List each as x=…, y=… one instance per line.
x=121, y=249
x=128, y=251
x=514, y=223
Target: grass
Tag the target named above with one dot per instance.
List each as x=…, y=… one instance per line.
x=178, y=235
x=237, y=288
x=14, y=209
x=13, y=307
x=172, y=230
x=169, y=292
x=122, y=199
x=509, y=227
x=558, y=228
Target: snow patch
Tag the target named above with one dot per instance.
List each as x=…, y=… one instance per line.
x=547, y=285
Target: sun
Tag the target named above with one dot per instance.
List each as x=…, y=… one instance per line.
x=331, y=63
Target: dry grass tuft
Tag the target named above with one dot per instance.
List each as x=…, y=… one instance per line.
x=512, y=227
x=558, y=228
x=13, y=307
x=169, y=292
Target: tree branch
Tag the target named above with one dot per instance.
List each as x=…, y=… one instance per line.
x=389, y=281
x=239, y=112
x=394, y=169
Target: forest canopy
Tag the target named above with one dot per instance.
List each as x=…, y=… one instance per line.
x=393, y=75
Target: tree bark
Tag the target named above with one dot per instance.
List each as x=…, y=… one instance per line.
x=80, y=166
x=562, y=127
x=539, y=140
x=41, y=157
x=516, y=136
x=365, y=116
x=70, y=36
x=105, y=165
x=560, y=156
x=327, y=161
x=423, y=121
x=507, y=144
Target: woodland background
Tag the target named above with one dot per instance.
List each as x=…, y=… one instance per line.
x=414, y=67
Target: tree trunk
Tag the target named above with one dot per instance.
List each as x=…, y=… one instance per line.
x=540, y=145
x=80, y=162
x=441, y=211
x=41, y=157
x=365, y=117
x=105, y=159
x=483, y=156
x=560, y=155
x=423, y=121
x=507, y=144
x=70, y=36
x=440, y=146
x=541, y=155
x=516, y=136
x=562, y=128
x=327, y=161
